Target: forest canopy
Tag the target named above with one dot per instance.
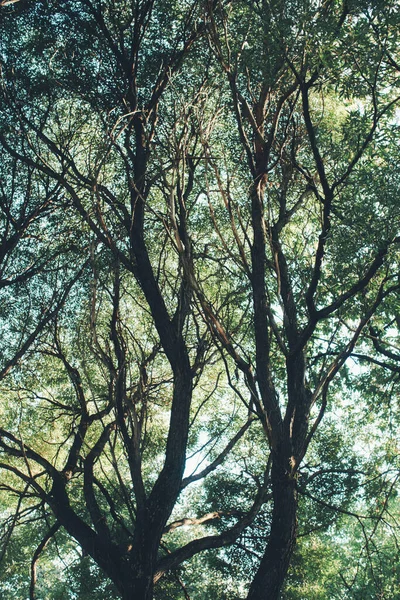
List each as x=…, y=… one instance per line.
x=199, y=299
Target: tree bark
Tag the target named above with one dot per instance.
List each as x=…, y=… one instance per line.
x=140, y=586
x=274, y=565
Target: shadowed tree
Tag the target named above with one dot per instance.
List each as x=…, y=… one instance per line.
x=217, y=159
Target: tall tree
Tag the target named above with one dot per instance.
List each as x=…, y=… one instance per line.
x=215, y=161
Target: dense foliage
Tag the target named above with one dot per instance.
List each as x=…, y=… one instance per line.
x=199, y=288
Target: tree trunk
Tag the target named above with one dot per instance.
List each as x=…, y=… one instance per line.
x=140, y=567
x=273, y=568
x=140, y=589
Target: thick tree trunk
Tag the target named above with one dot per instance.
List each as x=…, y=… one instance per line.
x=141, y=588
x=273, y=568
x=140, y=566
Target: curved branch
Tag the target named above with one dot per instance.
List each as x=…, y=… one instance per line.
x=220, y=458
x=98, y=518
x=226, y=538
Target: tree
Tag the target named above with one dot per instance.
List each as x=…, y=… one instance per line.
x=216, y=160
